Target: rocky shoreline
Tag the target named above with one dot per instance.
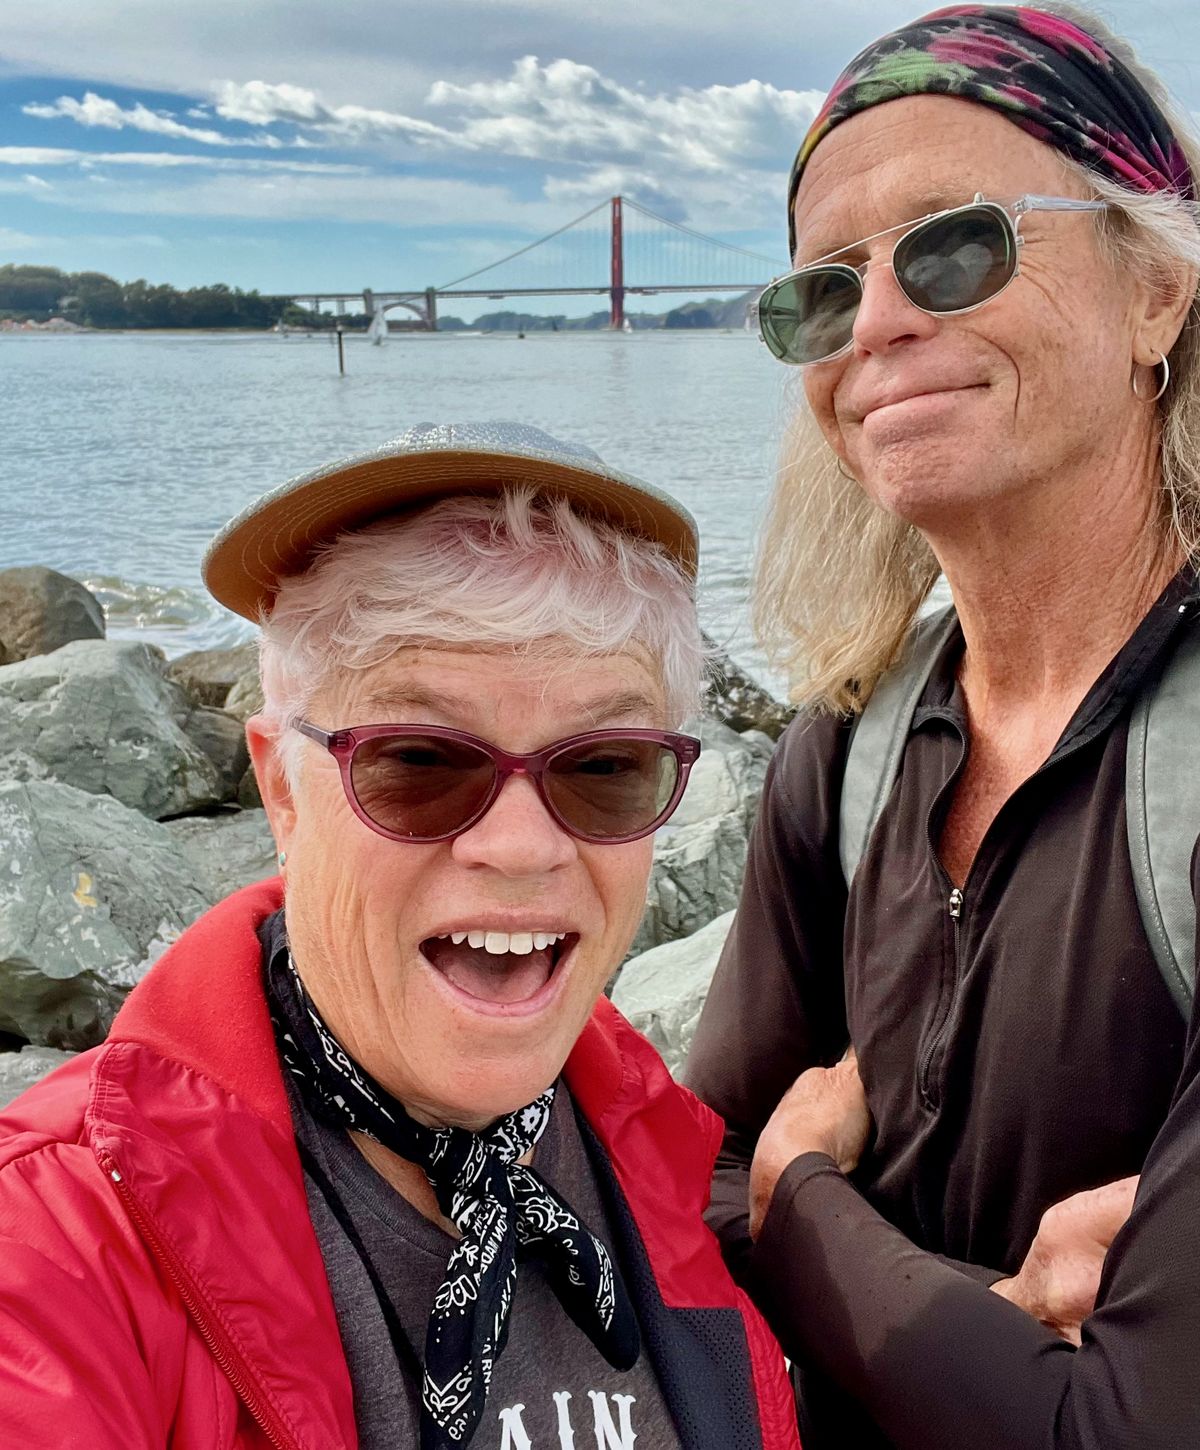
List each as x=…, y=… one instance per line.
x=128, y=807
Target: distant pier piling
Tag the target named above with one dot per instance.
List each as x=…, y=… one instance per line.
x=341, y=352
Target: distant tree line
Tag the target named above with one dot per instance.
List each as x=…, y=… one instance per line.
x=94, y=300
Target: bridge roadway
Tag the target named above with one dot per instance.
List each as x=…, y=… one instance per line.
x=389, y=299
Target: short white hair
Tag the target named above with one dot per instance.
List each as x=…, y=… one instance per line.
x=517, y=569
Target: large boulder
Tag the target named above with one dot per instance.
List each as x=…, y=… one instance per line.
x=738, y=701
x=663, y=990
x=223, y=739
x=700, y=855
x=208, y=675
x=232, y=848
x=102, y=716
x=728, y=776
x=20, y=1070
x=696, y=876
x=40, y=610
x=246, y=696
x=91, y=893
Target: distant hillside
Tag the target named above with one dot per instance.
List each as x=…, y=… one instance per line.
x=713, y=312
x=92, y=299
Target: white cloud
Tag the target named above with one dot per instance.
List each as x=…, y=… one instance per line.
x=36, y=182
x=66, y=156
x=601, y=137
x=99, y=111
x=263, y=103
x=567, y=111
x=559, y=111
x=94, y=110
x=710, y=156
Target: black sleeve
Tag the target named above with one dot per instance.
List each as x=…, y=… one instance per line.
x=940, y=1362
x=776, y=1004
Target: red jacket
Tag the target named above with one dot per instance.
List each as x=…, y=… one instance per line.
x=160, y=1281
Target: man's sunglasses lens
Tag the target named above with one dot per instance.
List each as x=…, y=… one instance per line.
x=810, y=316
x=424, y=787
x=956, y=261
x=945, y=265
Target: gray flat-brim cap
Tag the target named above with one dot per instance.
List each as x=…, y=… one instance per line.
x=279, y=534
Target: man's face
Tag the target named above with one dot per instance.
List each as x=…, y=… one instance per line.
x=936, y=416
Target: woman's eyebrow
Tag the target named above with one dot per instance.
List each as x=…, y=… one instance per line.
x=398, y=698
x=626, y=705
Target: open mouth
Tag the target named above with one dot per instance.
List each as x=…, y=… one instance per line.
x=503, y=968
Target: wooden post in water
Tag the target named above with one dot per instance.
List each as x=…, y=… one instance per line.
x=341, y=352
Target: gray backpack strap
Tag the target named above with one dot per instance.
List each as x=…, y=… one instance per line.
x=877, y=745
x=1162, y=808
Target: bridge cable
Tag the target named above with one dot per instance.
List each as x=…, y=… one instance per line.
x=445, y=287
x=699, y=236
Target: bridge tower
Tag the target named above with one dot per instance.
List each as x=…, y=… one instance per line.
x=617, y=289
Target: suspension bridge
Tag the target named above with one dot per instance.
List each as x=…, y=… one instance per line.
x=619, y=248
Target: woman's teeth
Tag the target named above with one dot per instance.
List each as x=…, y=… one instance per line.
x=500, y=942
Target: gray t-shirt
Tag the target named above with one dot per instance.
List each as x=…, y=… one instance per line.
x=551, y=1388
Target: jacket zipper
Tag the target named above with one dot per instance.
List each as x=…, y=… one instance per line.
x=954, y=909
x=955, y=903
x=215, y=1339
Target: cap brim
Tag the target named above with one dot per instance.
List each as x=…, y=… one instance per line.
x=279, y=534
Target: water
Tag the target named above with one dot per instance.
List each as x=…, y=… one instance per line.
x=122, y=454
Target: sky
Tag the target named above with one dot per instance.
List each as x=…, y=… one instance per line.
x=292, y=145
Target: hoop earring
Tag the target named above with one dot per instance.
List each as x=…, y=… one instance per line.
x=849, y=477
x=1166, y=378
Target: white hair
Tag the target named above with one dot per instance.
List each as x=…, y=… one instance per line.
x=839, y=581
x=515, y=570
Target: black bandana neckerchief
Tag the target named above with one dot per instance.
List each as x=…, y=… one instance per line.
x=504, y=1212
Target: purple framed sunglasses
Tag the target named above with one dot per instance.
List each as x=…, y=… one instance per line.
x=427, y=783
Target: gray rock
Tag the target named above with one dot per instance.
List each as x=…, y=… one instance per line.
x=249, y=797
x=208, y=675
x=727, y=777
x=738, y=701
x=223, y=739
x=699, y=856
x=20, y=1070
x=91, y=893
x=41, y=609
x=101, y=716
x=246, y=696
x=663, y=990
x=697, y=875
x=232, y=848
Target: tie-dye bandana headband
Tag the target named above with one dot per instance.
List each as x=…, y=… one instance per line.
x=1045, y=74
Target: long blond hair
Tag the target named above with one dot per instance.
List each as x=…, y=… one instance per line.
x=839, y=581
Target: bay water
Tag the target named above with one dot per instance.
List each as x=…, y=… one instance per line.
x=121, y=454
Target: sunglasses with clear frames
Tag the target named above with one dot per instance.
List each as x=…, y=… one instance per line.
x=946, y=263
x=427, y=783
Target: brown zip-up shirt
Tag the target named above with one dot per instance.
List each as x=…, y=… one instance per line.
x=1017, y=1044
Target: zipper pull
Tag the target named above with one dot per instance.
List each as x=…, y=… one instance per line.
x=956, y=903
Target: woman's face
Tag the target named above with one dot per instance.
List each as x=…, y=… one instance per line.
x=936, y=416
x=461, y=1037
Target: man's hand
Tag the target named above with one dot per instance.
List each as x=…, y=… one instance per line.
x=1058, y=1281
x=824, y=1111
